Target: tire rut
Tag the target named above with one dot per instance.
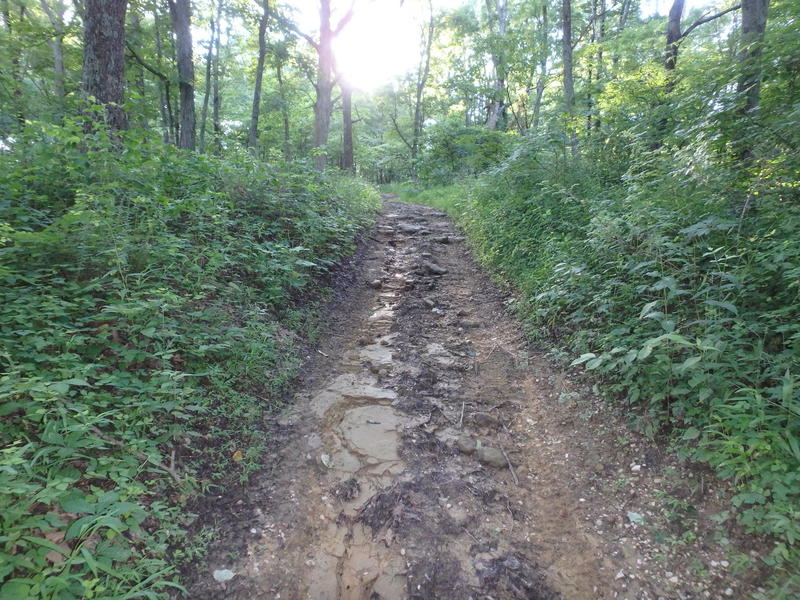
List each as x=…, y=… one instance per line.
x=413, y=465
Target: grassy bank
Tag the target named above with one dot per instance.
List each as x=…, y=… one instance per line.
x=150, y=320
x=680, y=297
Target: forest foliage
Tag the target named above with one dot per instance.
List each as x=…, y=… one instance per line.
x=634, y=174
x=150, y=322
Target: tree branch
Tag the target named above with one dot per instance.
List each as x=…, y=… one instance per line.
x=292, y=27
x=141, y=61
x=705, y=20
x=345, y=19
x=400, y=133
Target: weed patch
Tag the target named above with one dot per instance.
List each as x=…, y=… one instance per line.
x=148, y=304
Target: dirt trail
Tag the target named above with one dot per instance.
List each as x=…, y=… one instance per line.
x=429, y=457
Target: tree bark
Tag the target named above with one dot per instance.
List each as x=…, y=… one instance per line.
x=284, y=107
x=348, y=160
x=252, y=138
x=673, y=34
x=324, y=84
x=544, y=53
x=15, y=49
x=497, y=106
x=569, y=85
x=104, y=58
x=55, y=14
x=754, y=24
x=422, y=80
x=181, y=23
x=216, y=113
x=165, y=102
x=214, y=26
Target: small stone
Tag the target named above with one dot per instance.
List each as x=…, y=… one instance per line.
x=636, y=468
x=674, y=579
x=376, y=284
x=442, y=239
x=406, y=228
x=466, y=444
x=484, y=420
x=429, y=302
x=467, y=324
x=434, y=269
x=223, y=575
x=620, y=575
x=492, y=457
x=728, y=592
x=725, y=564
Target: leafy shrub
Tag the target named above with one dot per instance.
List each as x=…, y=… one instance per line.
x=147, y=299
x=687, y=309
x=454, y=150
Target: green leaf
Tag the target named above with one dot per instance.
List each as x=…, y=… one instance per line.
x=726, y=305
x=15, y=590
x=594, y=363
x=690, y=362
x=691, y=434
x=583, y=358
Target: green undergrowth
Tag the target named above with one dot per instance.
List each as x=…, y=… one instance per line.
x=676, y=282
x=150, y=310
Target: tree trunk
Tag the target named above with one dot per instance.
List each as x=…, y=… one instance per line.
x=252, y=138
x=165, y=103
x=324, y=85
x=55, y=15
x=497, y=106
x=569, y=86
x=181, y=23
x=135, y=38
x=422, y=79
x=544, y=53
x=601, y=69
x=348, y=162
x=216, y=114
x=284, y=108
x=104, y=58
x=754, y=23
x=673, y=35
x=15, y=49
x=214, y=25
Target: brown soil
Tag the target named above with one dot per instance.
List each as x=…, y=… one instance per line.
x=432, y=454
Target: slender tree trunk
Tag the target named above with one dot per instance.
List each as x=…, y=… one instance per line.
x=104, y=58
x=15, y=49
x=165, y=104
x=216, y=114
x=252, y=138
x=55, y=14
x=601, y=69
x=324, y=85
x=497, y=106
x=214, y=25
x=135, y=39
x=348, y=161
x=569, y=86
x=544, y=53
x=422, y=80
x=284, y=108
x=754, y=24
x=673, y=36
x=181, y=19
x=590, y=72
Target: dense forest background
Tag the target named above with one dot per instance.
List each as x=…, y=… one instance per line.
x=177, y=175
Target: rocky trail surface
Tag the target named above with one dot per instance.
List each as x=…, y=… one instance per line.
x=431, y=454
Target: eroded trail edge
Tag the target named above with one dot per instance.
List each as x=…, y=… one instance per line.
x=426, y=457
